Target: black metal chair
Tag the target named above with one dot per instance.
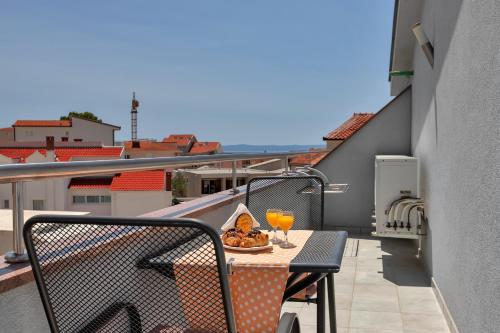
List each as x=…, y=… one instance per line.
x=304, y=195
x=135, y=275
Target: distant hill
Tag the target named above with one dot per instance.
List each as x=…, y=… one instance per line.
x=242, y=148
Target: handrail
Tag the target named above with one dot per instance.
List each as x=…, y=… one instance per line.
x=21, y=172
x=10, y=173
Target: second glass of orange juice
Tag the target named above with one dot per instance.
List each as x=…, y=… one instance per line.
x=285, y=222
x=272, y=219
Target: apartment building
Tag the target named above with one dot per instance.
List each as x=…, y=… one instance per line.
x=72, y=130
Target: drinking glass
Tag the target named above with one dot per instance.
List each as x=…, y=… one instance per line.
x=272, y=219
x=285, y=222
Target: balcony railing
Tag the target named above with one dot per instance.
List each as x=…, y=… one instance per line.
x=18, y=173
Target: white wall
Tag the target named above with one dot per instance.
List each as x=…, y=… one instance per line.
x=92, y=131
x=135, y=203
x=23, y=134
x=456, y=136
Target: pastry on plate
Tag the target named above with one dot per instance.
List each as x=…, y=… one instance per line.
x=254, y=238
x=233, y=237
x=244, y=222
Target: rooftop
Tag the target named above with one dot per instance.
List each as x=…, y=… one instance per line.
x=308, y=158
x=349, y=127
x=151, y=145
x=151, y=180
x=205, y=147
x=42, y=123
x=180, y=139
x=56, y=123
x=91, y=182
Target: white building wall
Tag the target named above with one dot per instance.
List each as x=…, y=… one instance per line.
x=23, y=134
x=456, y=136
x=92, y=131
x=135, y=203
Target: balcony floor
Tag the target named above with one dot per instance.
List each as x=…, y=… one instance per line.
x=381, y=290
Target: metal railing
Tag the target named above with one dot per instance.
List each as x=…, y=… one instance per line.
x=17, y=174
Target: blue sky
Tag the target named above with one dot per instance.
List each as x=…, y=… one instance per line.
x=256, y=72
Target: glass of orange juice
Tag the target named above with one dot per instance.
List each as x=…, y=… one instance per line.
x=272, y=219
x=285, y=222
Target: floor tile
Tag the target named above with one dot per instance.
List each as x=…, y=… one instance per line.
x=372, y=290
x=375, y=304
x=424, y=323
x=376, y=320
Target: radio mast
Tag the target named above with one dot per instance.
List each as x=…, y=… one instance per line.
x=133, y=117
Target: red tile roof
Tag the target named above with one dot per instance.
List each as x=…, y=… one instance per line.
x=349, y=127
x=101, y=182
x=64, y=154
x=308, y=158
x=7, y=129
x=152, y=145
x=42, y=123
x=180, y=139
x=151, y=180
x=205, y=147
x=22, y=153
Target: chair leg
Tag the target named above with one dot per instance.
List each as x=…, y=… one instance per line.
x=331, y=303
x=320, y=301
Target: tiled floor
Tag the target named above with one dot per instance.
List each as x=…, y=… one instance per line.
x=382, y=290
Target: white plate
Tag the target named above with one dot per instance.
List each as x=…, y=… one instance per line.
x=249, y=249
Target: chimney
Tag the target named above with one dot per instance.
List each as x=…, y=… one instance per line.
x=49, y=143
x=49, y=146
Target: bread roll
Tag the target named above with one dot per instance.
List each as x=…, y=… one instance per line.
x=244, y=222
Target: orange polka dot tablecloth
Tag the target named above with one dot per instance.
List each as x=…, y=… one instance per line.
x=258, y=281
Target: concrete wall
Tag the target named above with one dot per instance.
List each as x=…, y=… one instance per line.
x=353, y=162
x=456, y=136
x=135, y=203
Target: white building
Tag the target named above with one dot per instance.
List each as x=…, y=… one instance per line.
x=125, y=194
x=115, y=195
x=73, y=130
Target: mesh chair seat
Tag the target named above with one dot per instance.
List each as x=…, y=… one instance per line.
x=132, y=275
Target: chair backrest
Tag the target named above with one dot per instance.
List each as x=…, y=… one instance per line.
x=304, y=195
x=135, y=275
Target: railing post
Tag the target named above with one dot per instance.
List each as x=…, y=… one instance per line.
x=235, y=189
x=19, y=253
x=286, y=164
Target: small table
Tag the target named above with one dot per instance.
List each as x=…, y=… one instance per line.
x=321, y=257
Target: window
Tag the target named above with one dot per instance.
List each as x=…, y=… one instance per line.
x=92, y=199
x=78, y=140
x=64, y=139
x=209, y=186
x=78, y=199
x=6, y=204
x=38, y=205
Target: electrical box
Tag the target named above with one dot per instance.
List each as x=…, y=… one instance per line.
x=397, y=197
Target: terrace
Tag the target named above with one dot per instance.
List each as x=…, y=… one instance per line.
x=381, y=287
